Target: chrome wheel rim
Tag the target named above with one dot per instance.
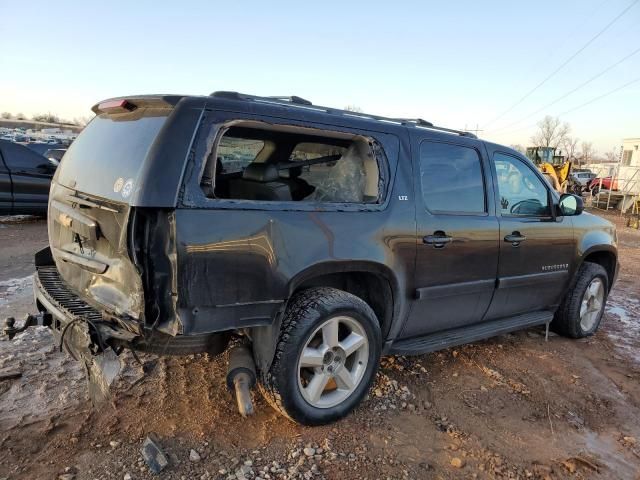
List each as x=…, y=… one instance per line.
x=332, y=362
x=592, y=303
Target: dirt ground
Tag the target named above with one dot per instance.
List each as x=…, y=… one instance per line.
x=511, y=407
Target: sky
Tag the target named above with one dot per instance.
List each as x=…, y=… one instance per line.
x=464, y=64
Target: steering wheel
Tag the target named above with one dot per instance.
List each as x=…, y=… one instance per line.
x=531, y=205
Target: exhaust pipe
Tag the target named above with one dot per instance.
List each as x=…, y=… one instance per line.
x=241, y=377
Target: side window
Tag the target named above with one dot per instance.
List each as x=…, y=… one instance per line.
x=286, y=163
x=451, y=178
x=235, y=153
x=521, y=190
x=18, y=157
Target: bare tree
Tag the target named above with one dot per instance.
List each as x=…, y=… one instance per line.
x=551, y=132
x=611, y=155
x=7, y=115
x=570, y=146
x=519, y=148
x=46, y=117
x=587, y=153
x=20, y=116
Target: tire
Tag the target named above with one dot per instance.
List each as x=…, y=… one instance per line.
x=308, y=325
x=568, y=320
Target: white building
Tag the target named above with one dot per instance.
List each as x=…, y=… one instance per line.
x=629, y=170
x=630, y=152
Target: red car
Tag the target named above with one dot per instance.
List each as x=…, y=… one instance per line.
x=606, y=183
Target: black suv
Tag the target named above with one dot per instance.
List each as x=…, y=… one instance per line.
x=317, y=239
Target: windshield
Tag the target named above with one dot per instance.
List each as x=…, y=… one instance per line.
x=106, y=158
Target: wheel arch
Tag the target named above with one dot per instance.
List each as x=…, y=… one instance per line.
x=605, y=256
x=374, y=283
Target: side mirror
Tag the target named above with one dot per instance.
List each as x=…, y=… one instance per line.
x=570, y=204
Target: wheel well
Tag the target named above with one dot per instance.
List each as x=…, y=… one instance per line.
x=605, y=259
x=373, y=289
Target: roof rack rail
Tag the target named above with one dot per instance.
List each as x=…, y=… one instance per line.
x=293, y=99
x=418, y=121
x=300, y=102
x=242, y=96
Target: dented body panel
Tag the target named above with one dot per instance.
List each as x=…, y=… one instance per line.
x=89, y=242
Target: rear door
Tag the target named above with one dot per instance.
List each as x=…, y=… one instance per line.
x=457, y=235
x=31, y=177
x=6, y=195
x=536, y=247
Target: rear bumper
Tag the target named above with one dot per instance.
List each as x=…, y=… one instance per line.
x=54, y=296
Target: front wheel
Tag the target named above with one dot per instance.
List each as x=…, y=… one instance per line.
x=326, y=358
x=582, y=308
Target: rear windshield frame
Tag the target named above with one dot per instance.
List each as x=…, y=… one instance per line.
x=107, y=159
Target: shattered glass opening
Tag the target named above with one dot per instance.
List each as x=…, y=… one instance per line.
x=291, y=164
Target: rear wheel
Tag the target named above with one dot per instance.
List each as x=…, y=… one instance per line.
x=582, y=309
x=327, y=356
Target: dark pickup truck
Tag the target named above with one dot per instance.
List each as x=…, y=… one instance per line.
x=25, y=178
x=312, y=240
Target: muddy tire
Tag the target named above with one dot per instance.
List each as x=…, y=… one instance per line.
x=581, y=311
x=326, y=359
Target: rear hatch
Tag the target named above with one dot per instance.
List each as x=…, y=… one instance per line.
x=90, y=204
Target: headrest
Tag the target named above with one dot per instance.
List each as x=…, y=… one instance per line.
x=260, y=172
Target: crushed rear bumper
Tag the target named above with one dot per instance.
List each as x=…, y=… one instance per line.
x=102, y=330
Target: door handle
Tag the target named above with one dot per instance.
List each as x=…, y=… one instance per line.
x=515, y=238
x=439, y=239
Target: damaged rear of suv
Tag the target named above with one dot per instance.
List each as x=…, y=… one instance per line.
x=299, y=235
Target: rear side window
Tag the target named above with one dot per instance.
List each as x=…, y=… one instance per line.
x=287, y=163
x=451, y=178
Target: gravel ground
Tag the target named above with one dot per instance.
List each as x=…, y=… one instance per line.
x=511, y=407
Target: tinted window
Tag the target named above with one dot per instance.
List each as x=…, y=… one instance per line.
x=451, y=177
x=521, y=191
x=19, y=158
x=111, y=148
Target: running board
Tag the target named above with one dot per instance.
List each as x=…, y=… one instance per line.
x=469, y=333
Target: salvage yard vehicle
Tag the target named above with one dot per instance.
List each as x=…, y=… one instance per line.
x=25, y=178
x=311, y=240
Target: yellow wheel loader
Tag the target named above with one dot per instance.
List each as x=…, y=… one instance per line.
x=554, y=167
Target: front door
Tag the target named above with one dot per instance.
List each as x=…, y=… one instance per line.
x=457, y=236
x=536, y=246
